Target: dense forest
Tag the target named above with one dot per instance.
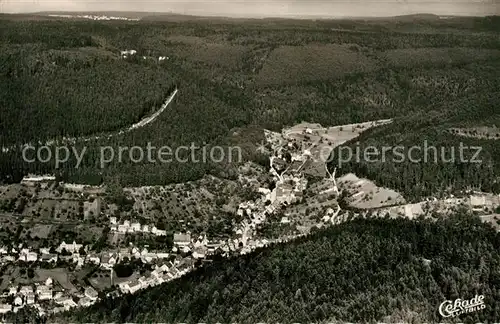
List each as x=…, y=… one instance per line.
x=365, y=270
x=65, y=78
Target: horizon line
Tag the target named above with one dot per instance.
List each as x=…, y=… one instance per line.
x=208, y=15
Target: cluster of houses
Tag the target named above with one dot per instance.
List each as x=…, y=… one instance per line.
x=128, y=227
x=65, y=302
x=331, y=216
x=31, y=179
x=108, y=259
x=165, y=272
x=44, y=254
x=289, y=189
x=180, y=266
x=77, y=253
x=41, y=294
x=480, y=201
x=127, y=53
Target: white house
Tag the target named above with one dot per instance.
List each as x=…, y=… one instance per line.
x=30, y=298
x=25, y=290
x=284, y=220
x=182, y=239
x=5, y=308
x=31, y=257
x=122, y=228
x=18, y=301
x=168, y=276
x=158, y=232
x=108, y=260
x=94, y=258
x=12, y=290
x=126, y=53
x=136, y=227
x=72, y=248
x=50, y=258
x=44, y=292
x=136, y=253
x=44, y=250
x=113, y=258
x=27, y=256
x=148, y=257
x=162, y=255
x=264, y=191
x=124, y=253
x=66, y=301
x=199, y=253
x=270, y=209
x=131, y=286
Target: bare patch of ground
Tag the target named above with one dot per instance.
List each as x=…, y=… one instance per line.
x=320, y=141
x=365, y=194
x=59, y=275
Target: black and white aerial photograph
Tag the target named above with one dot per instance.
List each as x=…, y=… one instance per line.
x=250, y=161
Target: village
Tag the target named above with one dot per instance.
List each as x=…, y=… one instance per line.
x=94, y=17
x=131, y=247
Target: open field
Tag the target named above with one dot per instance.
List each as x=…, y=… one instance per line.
x=59, y=276
x=320, y=141
x=364, y=194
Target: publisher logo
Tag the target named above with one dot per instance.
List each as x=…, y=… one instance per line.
x=459, y=306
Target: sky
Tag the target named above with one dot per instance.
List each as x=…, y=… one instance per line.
x=265, y=8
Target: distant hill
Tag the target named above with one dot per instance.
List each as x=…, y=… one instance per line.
x=127, y=14
x=422, y=16
x=180, y=17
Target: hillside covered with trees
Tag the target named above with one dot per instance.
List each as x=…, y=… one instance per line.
x=65, y=78
x=365, y=270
